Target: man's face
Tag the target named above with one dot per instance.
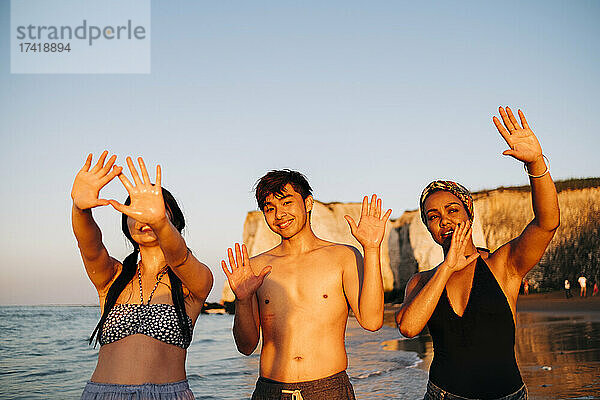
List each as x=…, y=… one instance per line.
x=287, y=214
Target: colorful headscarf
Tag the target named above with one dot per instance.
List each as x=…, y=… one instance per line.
x=449, y=186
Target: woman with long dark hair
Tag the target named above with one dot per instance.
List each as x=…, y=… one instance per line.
x=149, y=302
x=469, y=300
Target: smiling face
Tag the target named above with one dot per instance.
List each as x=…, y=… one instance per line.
x=287, y=214
x=141, y=233
x=443, y=212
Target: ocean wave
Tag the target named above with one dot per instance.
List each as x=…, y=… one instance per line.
x=46, y=373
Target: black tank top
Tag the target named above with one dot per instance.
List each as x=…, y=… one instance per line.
x=474, y=355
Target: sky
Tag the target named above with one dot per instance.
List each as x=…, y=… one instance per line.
x=362, y=97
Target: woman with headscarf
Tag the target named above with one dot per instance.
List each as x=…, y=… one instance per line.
x=150, y=301
x=469, y=301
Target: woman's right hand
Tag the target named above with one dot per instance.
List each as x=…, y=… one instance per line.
x=89, y=180
x=241, y=279
x=455, y=258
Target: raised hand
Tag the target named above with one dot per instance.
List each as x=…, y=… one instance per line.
x=147, y=204
x=371, y=226
x=241, y=279
x=455, y=259
x=89, y=180
x=524, y=146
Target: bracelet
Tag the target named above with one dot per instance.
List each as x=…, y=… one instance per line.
x=184, y=260
x=544, y=173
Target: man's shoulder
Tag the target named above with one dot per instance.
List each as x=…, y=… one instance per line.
x=339, y=249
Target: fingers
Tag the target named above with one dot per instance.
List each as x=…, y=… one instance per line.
x=119, y=207
x=510, y=153
x=232, y=263
x=125, y=181
x=134, y=174
x=265, y=271
x=107, y=167
x=101, y=202
x=378, y=208
x=472, y=258
x=245, y=257
x=158, y=176
x=512, y=118
x=506, y=120
x=373, y=205
x=387, y=214
x=144, y=171
x=351, y=222
x=365, y=206
x=115, y=172
x=466, y=233
x=100, y=162
x=238, y=255
x=523, y=120
x=225, y=269
x=88, y=163
x=505, y=134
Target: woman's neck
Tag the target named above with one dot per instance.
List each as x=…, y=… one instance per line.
x=152, y=259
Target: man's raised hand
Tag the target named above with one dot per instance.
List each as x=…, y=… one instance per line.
x=242, y=280
x=371, y=226
x=89, y=180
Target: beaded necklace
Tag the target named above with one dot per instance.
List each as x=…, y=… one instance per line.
x=162, y=273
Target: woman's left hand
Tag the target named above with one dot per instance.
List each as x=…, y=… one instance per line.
x=147, y=204
x=524, y=146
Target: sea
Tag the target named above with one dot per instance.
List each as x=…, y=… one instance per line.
x=44, y=354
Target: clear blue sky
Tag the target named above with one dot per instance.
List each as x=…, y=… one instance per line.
x=362, y=97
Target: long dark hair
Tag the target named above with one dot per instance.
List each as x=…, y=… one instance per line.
x=130, y=267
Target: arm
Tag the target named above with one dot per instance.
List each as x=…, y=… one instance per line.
x=527, y=249
x=423, y=293
x=244, y=284
x=147, y=206
x=364, y=289
x=100, y=267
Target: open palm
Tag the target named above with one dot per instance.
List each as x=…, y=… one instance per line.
x=90, y=180
x=523, y=144
x=371, y=226
x=147, y=204
x=242, y=280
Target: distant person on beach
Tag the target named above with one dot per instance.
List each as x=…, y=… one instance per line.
x=297, y=294
x=525, y=287
x=568, y=294
x=148, y=306
x=595, y=290
x=582, y=285
x=469, y=300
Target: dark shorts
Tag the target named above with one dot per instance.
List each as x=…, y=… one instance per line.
x=436, y=393
x=334, y=387
x=147, y=391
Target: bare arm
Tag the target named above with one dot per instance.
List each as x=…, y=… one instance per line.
x=147, y=206
x=422, y=294
x=100, y=267
x=363, y=284
x=244, y=284
x=527, y=249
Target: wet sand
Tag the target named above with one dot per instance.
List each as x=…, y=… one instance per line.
x=557, y=345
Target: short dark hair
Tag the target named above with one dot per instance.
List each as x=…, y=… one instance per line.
x=274, y=182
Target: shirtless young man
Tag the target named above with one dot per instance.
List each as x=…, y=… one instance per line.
x=298, y=293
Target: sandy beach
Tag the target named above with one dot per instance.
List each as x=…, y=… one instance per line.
x=557, y=345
